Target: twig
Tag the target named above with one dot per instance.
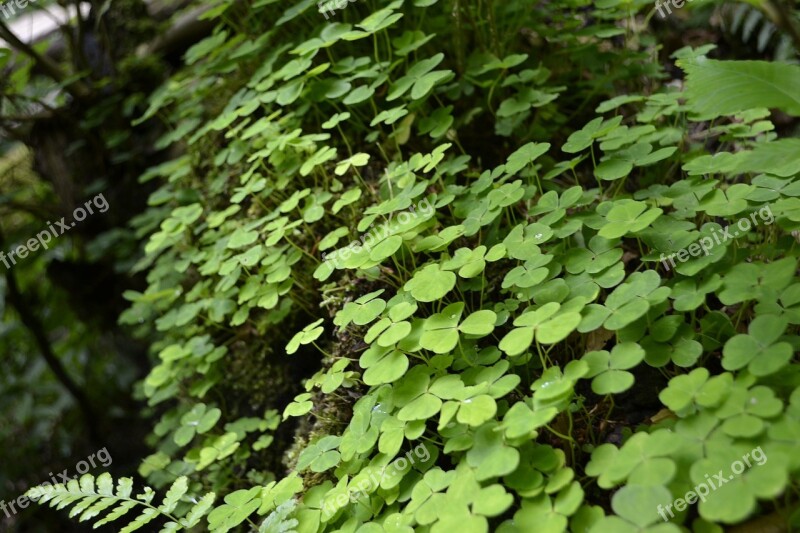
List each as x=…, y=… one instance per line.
x=76, y=88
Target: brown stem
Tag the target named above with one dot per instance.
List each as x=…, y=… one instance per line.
x=493, y=28
x=459, y=36
x=80, y=57
x=76, y=88
x=37, y=330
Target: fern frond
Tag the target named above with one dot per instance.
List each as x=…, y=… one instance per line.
x=90, y=496
x=199, y=510
x=740, y=21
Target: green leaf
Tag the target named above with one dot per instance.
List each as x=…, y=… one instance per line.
x=361, y=312
x=430, y=283
x=174, y=494
x=715, y=88
x=628, y=216
x=300, y=406
x=735, y=499
x=613, y=169
x=309, y=334
x=639, y=504
x=758, y=350
x=421, y=408
x=383, y=365
x=241, y=238
x=357, y=160
x=381, y=19
x=238, y=506
x=479, y=323
x=609, y=369
x=147, y=516
x=489, y=456
x=476, y=410
x=198, y=511
x=524, y=156
x=440, y=331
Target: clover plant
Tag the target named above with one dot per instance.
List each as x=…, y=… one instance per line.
x=430, y=234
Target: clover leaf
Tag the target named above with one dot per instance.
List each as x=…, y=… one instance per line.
x=595, y=129
x=430, y=283
x=333, y=378
x=393, y=328
x=383, y=364
x=644, y=459
x=506, y=195
x=522, y=242
x=726, y=202
x=687, y=392
x=469, y=263
x=489, y=455
x=524, y=156
x=321, y=455
x=636, y=508
x=626, y=303
x=744, y=410
x=238, y=506
x=301, y=405
x=441, y=329
x=758, y=350
x=757, y=281
x=198, y=420
x=736, y=495
x=787, y=305
x=549, y=324
x=335, y=120
x=613, y=168
x=601, y=254
x=309, y=334
x=420, y=78
x=362, y=311
x=411, y=394
x=628, y=216
x=218, y=448
x=241, y=238
x=529, y=274
x=477, y=409
x=409, y=41
x=671, y=339
x=556, y=387
x=688, y=294
x=609, y=369
x=549, y=515
x=356, y=160
x=478, y=324
x=389, y=116
x=520, y=421
x=437, y=123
